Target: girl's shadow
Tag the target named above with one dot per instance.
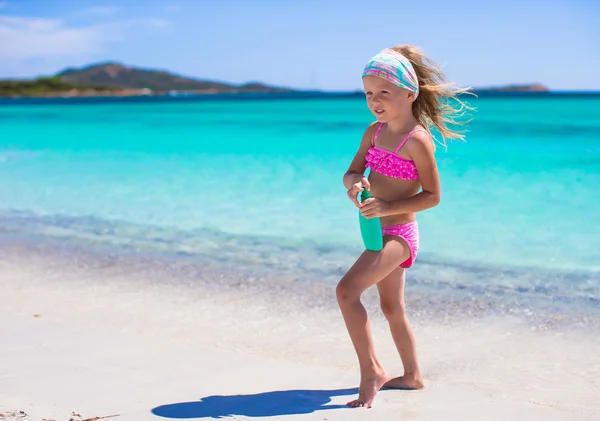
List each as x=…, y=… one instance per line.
x=267, y=404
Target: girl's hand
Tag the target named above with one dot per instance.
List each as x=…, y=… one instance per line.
x=374, y=208
x=357, y=188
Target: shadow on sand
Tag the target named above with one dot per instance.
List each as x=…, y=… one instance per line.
x=267, y=404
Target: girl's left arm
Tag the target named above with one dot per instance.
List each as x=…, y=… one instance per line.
x=421, y=150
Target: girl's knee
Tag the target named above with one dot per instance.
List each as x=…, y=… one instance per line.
x=393, y=309
x=346, y=291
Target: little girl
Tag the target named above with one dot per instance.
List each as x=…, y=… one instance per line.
x=408, y=94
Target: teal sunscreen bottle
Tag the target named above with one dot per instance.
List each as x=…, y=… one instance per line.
x=370, y=229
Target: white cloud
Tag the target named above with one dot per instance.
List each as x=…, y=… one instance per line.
x=24, y=38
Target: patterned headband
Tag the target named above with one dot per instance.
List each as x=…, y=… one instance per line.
x=394, y=68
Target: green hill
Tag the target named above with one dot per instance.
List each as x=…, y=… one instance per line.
x=45, y=86
x=120, y=76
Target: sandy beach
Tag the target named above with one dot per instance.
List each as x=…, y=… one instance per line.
x=175, y=215
x=88, y=333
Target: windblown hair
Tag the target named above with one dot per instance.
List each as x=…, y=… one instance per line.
x=438, y=103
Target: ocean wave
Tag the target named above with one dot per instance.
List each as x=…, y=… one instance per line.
x=310, y=260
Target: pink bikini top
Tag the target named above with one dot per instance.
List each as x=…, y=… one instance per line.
x=390, y=163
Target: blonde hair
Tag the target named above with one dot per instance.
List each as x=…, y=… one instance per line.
x=438, y=103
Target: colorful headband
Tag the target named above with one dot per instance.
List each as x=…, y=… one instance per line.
x=393, y=67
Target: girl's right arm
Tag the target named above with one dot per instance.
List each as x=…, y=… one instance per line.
x=354, y=178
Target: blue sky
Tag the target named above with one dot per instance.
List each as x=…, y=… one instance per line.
x=317, y=44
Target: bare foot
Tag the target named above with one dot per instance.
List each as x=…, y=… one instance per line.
x=369, y=386
x=405, y=383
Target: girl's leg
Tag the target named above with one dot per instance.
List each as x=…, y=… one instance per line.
x=391, y=295
x=370, y=268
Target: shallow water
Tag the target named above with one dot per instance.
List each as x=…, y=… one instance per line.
x=257, y=183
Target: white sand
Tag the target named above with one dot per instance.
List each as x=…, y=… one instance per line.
x=106, y=343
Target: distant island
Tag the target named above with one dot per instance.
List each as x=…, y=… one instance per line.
x=533, y=87
x=116, y=79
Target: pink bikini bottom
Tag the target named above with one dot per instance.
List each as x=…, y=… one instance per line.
x=409, y=233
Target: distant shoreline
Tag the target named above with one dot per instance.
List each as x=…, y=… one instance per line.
x=112, y=80
x=117, y=80
x=128, y=92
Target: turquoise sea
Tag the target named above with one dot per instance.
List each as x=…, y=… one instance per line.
x=257, y=183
